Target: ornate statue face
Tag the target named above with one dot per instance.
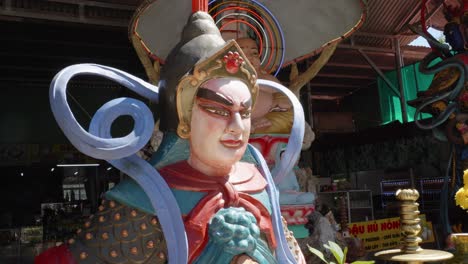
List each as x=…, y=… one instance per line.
x=250, y=49
x=220, y=125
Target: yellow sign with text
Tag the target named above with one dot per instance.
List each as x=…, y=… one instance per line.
x=385, y=233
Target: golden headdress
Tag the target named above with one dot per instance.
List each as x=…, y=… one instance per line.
x=228, y=62
x=200, y=55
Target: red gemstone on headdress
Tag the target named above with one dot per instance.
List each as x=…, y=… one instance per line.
x=232, y=61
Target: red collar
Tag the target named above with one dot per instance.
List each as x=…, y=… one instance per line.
x=246, y=178
x=230, y=191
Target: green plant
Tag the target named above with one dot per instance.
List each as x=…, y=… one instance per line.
x=337, y=252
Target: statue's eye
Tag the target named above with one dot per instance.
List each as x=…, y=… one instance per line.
x=216, y=110
x=245, y=114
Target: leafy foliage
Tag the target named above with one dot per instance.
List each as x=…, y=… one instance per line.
x=338, y=253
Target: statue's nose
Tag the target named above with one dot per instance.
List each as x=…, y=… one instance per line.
x=235, y=125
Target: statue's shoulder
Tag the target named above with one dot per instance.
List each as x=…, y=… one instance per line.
x=118, y=233
x=129, y=193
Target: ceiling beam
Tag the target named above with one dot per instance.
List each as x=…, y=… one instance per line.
x=98, y=83
x=416, y=12
x=72, y=11
x=359, y=66
x=366, y=48
x=410, y=16
x=407, y=51
x=348, y=50
x=374, y=35
x=58, y=58
x=63, y=18
x=435, y=10
x=337, y=85
x=345, y=76
x=111, y=47
x=99, y=4
x=22, y=79
x=328, y=97
x=379, y=72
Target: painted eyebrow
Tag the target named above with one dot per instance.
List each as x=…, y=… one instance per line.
x=213, y=96
x=247, y=103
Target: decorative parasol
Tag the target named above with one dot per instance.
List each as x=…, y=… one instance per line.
x=286, y=31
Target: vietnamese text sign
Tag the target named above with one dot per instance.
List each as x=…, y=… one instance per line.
x=385, y=233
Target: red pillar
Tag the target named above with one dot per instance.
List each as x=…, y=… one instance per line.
x=199, y=5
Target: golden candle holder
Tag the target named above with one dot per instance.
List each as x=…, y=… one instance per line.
x=461, y=248
x=411, y=252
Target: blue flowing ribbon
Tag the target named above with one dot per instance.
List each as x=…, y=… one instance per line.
x=291, y=155
x=120, y=152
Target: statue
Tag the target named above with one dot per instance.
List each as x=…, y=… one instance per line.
x=272, y=113
x=272, y=117
x=446, y=99
x=209, y=198
x=272, y=120
x=290, y=193
x=321, y=230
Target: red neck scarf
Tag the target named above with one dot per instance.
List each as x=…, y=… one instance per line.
x=230, y=191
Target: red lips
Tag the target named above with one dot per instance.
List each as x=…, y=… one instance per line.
x=229, y=143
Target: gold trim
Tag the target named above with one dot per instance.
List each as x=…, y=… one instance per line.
x=152, y=70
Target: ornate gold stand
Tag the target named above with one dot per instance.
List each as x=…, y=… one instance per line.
x=411, y=252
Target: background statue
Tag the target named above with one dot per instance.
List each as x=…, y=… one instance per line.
x=446, y=100
x=272, y=113
x=290, y=192
x=272, y=116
